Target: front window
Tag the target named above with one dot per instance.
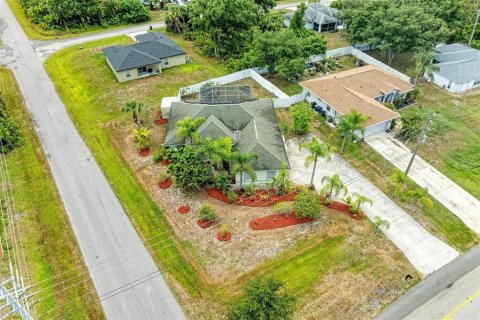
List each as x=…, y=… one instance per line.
x=271, y=175
x=127, y=73
x=142, y=70
x=247, y=176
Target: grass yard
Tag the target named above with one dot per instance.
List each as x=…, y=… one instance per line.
x=438, y=220
x=49, y=243
x=336, y=39
x=345, y=252
x=35, y=32
x=402, y=61
x=457, y=153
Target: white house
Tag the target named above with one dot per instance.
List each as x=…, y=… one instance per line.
x=362, y=89
x=458, y=68
x=318, y=17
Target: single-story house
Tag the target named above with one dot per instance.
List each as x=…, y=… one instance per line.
x=152, y=53
x=252, y=125
x=363, y=89
x=318, y=17
x=458, y=67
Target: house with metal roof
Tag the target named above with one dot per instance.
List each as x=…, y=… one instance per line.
x=152, y=53
x=252, y=125
x=458, y=68
x=362, y=89
x=318, y=17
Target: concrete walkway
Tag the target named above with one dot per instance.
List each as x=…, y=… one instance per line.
x=124, y=274
x=424, y=251
x=448, y=193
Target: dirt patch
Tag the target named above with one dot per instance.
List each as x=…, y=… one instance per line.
x=275, y=221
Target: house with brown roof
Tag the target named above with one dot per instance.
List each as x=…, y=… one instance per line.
x=364, y=89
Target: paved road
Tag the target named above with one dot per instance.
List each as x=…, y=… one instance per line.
x=451, y=195
x=453, y=292
x=98, y=220
x=424, y=251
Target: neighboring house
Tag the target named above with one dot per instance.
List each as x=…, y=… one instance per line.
x=363, y=89
x=458, y=68
x=318, y=17
x=252, y=125
x=152, y=53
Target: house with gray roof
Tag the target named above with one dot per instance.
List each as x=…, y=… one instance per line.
x=318, y=17
x=252, y=125
x=458, y=67
x=152, y=53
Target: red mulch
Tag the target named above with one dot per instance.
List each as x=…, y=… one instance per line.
x=275, y=221
x=252, y=201
x=165, y=162
x=204, y=224
x=145, y=152
x=160, y=121
x=225, y=237
x=183, y=209
x=166, y=184
x=342, y=207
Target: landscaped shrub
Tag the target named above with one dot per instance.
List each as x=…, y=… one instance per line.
x=188, y=168
x=265, y=299
x=283, y=207
x=302, y=115
x=250, y=189
x=281, y=183
x=10, y=135
x=142, y=137
x=159, y=155
x=207, y=213
x=307, y=204
x=224, y=230
x=222, y=181
x=162, y=177
x=232, y=196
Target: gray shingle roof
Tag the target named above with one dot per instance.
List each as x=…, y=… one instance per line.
x=150, y=50
x=256, y=121
x=457, y=63
x=317, y=13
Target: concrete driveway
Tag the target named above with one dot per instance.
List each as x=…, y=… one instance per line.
x=424, y=251
x=448, y=193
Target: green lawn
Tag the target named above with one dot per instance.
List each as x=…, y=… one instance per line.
x=437, y=220
x=93, y=98
x=36, y=32
x=336, y=39
x=49, y=243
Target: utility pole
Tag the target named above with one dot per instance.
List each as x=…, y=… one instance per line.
x=474, y=26
x=421, y=140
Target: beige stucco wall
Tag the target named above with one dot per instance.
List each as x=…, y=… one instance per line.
x=174, y=61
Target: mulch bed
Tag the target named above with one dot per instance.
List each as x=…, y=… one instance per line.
x=204, y=224
x=342, y=207
x=257, y=200
x=145, y=152
x=160, y=121
x=225, y=237
x=166, y=184
x=165, y=162
x=275, y=221
x=183, y=209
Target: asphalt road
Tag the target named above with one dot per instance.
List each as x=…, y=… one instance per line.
x=104, y=233
x=453, y=292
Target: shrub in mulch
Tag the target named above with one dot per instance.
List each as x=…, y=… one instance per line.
x=276, y=221
x=224, y=236
x=166, y=184
x=183, y=209
x=204, y=224
x=342, y=207
x=145, y=152
x=258, y=200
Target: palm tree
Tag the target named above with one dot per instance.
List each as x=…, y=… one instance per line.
x=420, y=194
x=359, y=200
x=378, y=222
x=400, y=183
x=423, y=64
x=334, y=185
x=241, y=164
x=351, y=123
x=282, y=182
x=317, y=150
x=187, y=128
x=216, y=151
x=133, y=106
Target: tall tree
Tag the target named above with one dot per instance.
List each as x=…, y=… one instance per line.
x=297, y=24
x=423, y=64
x=176, y=18
x=187, y=128
x=317, y=150
x=351, y=124
x=266, y=5
x=333, y=186
x=133, y=106
x=242, y=162
x=216, y=151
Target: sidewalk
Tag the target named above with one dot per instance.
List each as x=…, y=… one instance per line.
x=424, y=251
x=448, y=193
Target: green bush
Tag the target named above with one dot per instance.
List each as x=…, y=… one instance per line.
x=221, y=181
x=162, y=177
x=232, y=196
x=207, y=213
x=283, y=207
x=250, y=189
x=10, y=135
x=159, y=155
x=307, y=204
x=188, y=168
x=302, y=115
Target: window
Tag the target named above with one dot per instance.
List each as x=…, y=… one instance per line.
x=142, y=70
x=127, y=73
x=165, y=61
x=247, y=177
x=271, y=175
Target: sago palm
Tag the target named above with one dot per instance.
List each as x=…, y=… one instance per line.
x=187, y=128
x=317, y=150
x=133, y=106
